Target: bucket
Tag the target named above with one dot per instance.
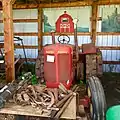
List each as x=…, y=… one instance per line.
x=113, y=113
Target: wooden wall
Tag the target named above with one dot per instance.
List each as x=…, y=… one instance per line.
x=40, y=35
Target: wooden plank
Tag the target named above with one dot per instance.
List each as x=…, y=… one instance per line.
x=69, y=113
x=22, y=20
x=26, y=47
x=8, y=40
x=24, y=34
x=111, y=62
x=20, y=47
x=36, y=47
x=40, y=28
x=94, y=22
x=104, y=62
x=53, y=5
x=98, y=18
x=109, y=47
x=108, y=2
x=65, y=4
x=108, y=33
x=13, y=1
x=49, y=34
x=70, y=34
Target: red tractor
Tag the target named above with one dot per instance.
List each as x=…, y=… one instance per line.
x=64, y=63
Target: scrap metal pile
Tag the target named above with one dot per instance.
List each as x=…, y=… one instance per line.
x=50, y=101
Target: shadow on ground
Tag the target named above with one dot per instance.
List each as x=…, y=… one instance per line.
x=111, y=84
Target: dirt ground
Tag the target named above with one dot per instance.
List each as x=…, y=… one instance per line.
x=111, y=84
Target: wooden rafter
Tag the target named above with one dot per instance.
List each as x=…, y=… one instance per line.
x=65, y=4
x=8, y=40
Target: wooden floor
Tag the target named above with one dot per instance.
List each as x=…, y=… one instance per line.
x=11, y=108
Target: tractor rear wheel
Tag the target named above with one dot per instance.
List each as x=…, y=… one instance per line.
x=95, y=92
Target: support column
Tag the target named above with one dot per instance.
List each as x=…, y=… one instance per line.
x=8, y=40
x=40, y=28
x=94, y=22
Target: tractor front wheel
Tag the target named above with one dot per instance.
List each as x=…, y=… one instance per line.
x=97, y=105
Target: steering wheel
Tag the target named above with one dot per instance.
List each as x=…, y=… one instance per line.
x=64, y=39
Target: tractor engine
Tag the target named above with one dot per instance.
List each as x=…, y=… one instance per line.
x=58, y=65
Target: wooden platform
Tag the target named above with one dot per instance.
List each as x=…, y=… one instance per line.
x=10, y=108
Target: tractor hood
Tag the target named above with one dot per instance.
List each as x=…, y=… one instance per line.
x=58, y=49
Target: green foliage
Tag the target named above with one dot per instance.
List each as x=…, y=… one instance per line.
x=110, y=24
x=34, y=80
x=81, y=82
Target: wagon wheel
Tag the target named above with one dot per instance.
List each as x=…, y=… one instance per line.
x=39, y=67
x=95, y=92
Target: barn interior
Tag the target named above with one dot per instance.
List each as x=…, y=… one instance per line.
x=27, y=26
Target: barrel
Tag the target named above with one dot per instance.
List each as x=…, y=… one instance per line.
x=113, y=113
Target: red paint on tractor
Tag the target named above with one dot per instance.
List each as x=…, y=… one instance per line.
x=85, y=101
x=58, y=65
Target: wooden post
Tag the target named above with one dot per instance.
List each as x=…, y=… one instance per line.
x=94, y=22
x=40, y=28
x=8, y=40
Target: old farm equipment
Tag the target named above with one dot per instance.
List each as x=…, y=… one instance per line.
x=64, y=63
x=17, y=41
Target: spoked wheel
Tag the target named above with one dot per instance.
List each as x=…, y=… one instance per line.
x=97, y=105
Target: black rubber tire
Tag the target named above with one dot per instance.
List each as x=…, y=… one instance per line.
x=97, y=99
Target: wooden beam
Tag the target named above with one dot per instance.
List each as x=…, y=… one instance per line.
x=53, y=5
x=94, y=22
x=65, y=4
x=70, y=34
x=108, y=2
x=40, y=28
x=49, y=34
x=108, y=33
x=111, y=62
x=8, y=40
x=22, y=20
x=26, y=47
x=20, y=47
x=104, y=62
x=109, y=47
x=13, y=1
x=36, y=47
x=24, y=34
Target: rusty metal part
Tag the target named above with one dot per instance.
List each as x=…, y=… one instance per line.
x=52, y=99
x=33, y=91
x=39, y=67
x=45, y=99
